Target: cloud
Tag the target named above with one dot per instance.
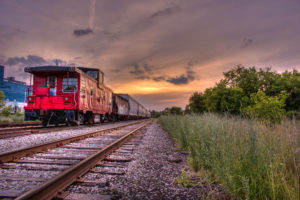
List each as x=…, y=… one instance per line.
x=184, y=78
x=154, y=18
x=247, y=42
x=145, y=72
x=115, y=70
x=178, y=80
x=159, y=78
x=137, y=70
x=82, y=32
x=31, y=59
x=165, y=12
x=87, y=31
x=141, y=72
x=191, y=75
x=92, y=14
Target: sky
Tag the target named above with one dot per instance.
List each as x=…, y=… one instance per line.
x=158, y=51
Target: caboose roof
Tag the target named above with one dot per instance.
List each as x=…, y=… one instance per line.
x=51, y=69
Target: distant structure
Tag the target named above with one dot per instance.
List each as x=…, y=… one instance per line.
x=15, y=91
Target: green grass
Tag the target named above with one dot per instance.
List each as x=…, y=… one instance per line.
x=184, y=180
x=251, y=160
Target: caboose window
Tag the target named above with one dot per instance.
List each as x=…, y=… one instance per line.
x=93, y=74
x=51, y=82
x=70, y=85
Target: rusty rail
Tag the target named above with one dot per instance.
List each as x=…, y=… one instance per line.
x=13, y=155
x=51, y=188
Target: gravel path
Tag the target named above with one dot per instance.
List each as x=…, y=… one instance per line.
x=15, y=143
x=157, y=164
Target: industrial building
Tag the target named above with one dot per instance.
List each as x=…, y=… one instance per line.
x=15, y=91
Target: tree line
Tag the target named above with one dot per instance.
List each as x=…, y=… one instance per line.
x=249, y=92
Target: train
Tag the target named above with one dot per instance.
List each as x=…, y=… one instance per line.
x=76, y=95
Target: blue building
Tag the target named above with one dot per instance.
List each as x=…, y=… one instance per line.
x=15, y=91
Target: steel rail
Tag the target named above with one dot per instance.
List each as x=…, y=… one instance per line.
x=9, y=132
x=51, y=188
x=14, y=124
x=19, y=131
x=14, y=155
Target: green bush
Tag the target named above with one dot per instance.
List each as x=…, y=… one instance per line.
x=250, y=159
x=267, y=108
x=6, y=111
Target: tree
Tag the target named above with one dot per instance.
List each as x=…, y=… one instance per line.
x=197, y=103
x=233, y=100
x=155, y=114
x=187, y=110
x=246, y=78
x=175, y=111
x=166, y=111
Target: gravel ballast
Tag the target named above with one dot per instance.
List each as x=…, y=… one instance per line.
x=15, y=143
x=152, y=173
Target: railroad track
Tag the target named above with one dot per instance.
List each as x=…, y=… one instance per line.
x=10, y=132
x=19, y=124
x=45, y=175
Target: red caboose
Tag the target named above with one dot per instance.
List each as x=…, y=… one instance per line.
x=68, y=95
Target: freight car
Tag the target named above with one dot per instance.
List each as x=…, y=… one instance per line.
x=63, y=94
x=120, y=107
x=136, y=110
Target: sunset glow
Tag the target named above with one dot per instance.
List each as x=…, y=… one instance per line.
x=158, y=51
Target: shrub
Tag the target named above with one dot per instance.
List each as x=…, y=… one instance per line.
x=267, y=108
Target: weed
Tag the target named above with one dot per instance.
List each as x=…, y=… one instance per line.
x=184, y=180
x=250, y=159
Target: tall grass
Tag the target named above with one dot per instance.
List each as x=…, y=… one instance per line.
x=251, y=160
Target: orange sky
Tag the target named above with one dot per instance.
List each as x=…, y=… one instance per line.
x=160, y=52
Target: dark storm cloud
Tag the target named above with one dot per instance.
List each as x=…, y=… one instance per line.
x=82, y=32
